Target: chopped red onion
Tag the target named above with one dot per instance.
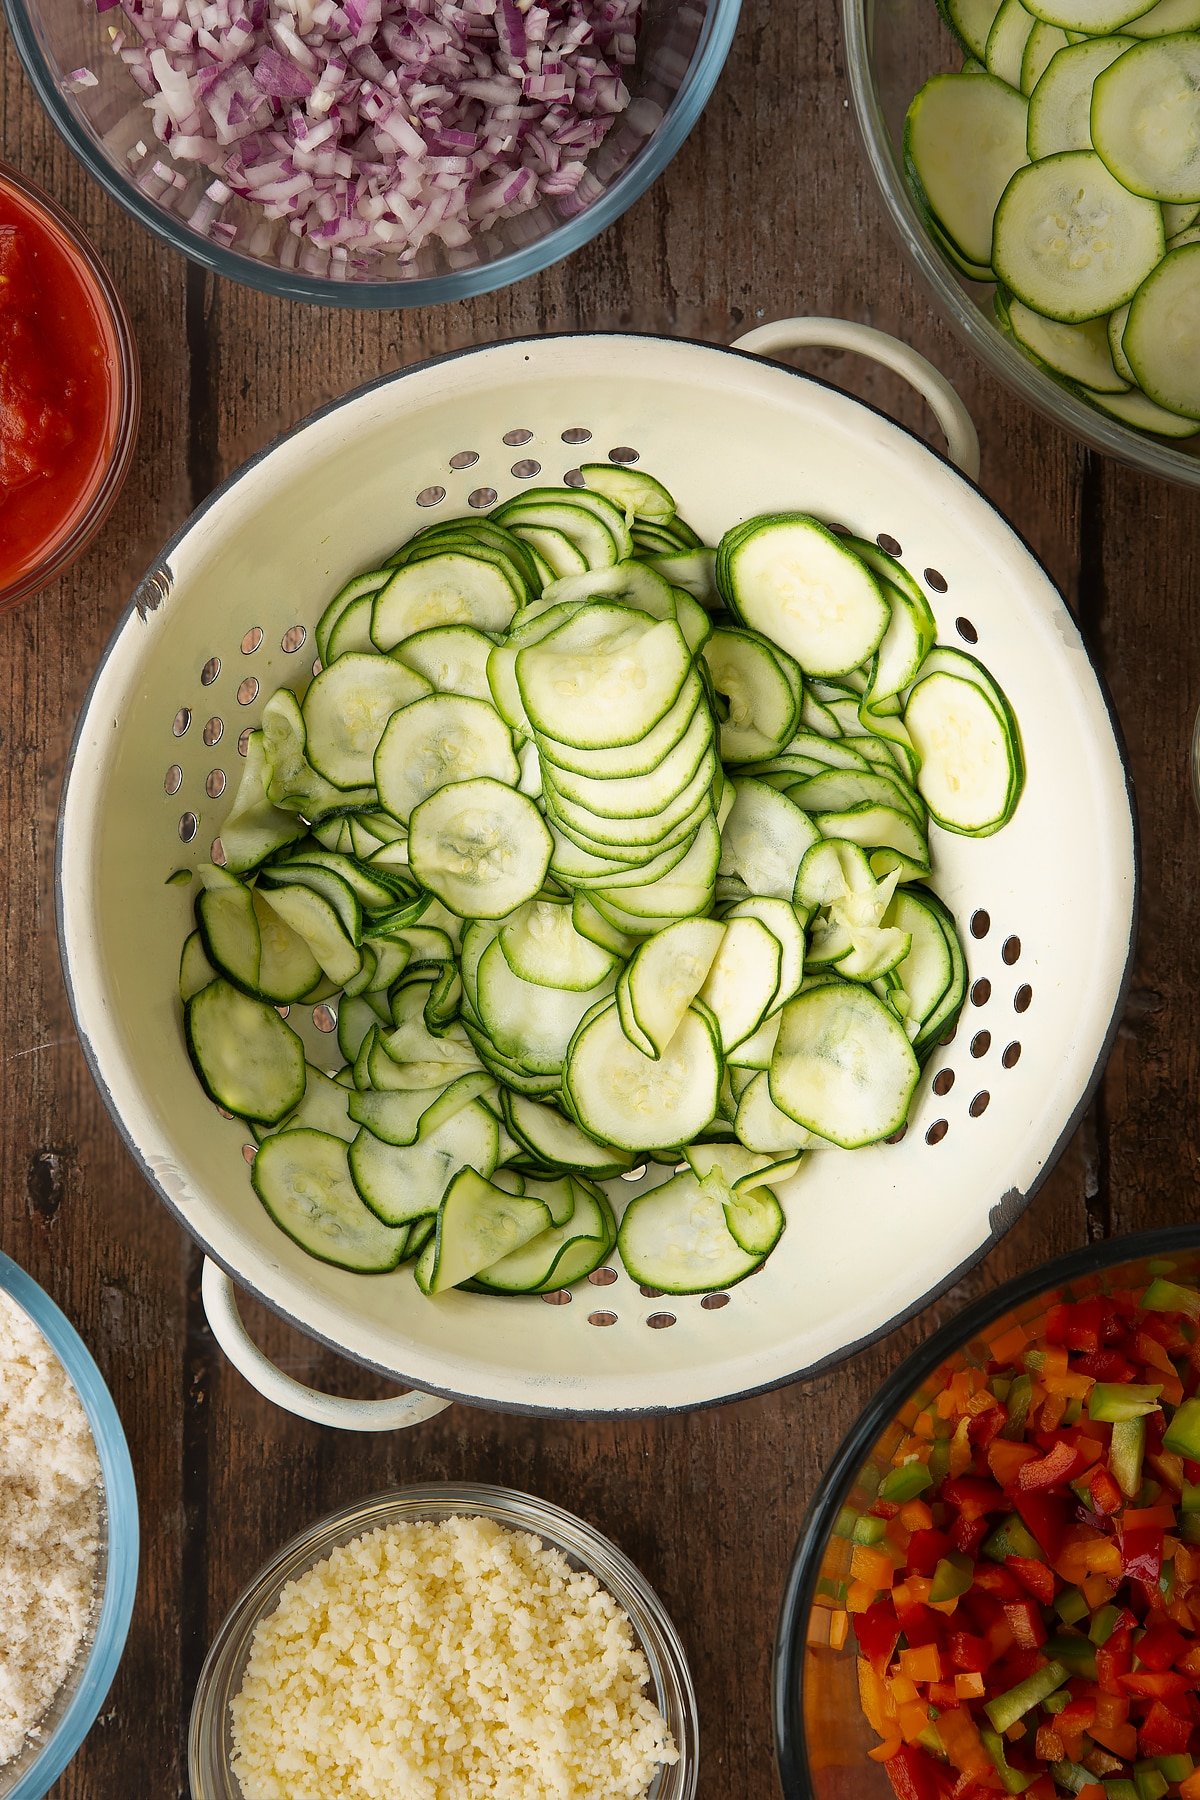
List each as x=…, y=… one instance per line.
x=381, y=124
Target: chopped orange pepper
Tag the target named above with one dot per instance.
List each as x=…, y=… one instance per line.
x=1120, y=1739
x=969, y=1687
x=1004, y=1459
x=1049, y=1745
x=941, y=1694
x=1093, y=1791
x=1190, y=1789
x=869, y=1563
x=1097, y=1590
x=1016, y=1731
x=1133, y=1518
x=875, y=1700
x=1111, y=1709
x=962, y=1451
x=1054, y=1408
x=960, y=1739
x=860, y=1596
x=903, y=1690
x=923, y=1424
x=922, y=1664
x=884, y=1752
x=839, y=1628
x=1075, y=1387
x=913, y=1720
x=1008, y=1346
x=915, y=1515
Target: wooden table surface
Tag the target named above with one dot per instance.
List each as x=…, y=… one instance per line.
x=767, y=211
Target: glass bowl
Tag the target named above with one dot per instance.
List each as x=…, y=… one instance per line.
x=98, y=499
x=682, y=46
x=209, y=1742
x=73, y=1712
x=892, y=47
x=821, y=1735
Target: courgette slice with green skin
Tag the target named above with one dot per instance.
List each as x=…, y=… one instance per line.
x=761, y=690
x=1079, y=352
x=1008, y=40
x=626, y=760
x=595, y=699
x=971, y=768
x=436, y=741
x=1162, y=334
x=195, y=970
x=942, y=1019
x=325, y=1107
x=346, y=709
x=639, y=496
x=355, y=589
x=843, y=1066
x=541, y=944
x=480, y=847
x=633, y=1101
x=1146, y=118
x=400, y=1182
x=1072, y=242
x=964, y=139
x=452, y=658
x=477, y=1225
x=970, y=21
x=764, y=839
x=248, y=1060
x=303, y=1180
x=662, y=978
x=1060, y=106
x=579, y=500
x=790, y=578
x=675, y=1238
x=925, y=973
x=449, y=587
x=557, y=1142
x=255, y=828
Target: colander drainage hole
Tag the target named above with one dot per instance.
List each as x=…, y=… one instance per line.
x=515, y=438
x=602, y=1277
x=526, y=468
x=966, y=631
x=980, y=1103
x=1022, y=997
x=714, y=1302
x=293, y=639
x=210, y=671
x=660, y=1321
x=573, y=478
x=981, y=993
x=248, y=690
x=283, y=1011
x=981, y=924
x=981, y=1043
x=214, y=785
x=936, y=1132
x=636, y=1173
x=602, y=1318
x=216, y=853
x=464, y=459
x=431, y=496
x=244, y=740
x=1012, y=1055
x=252, y=640
x=897, y=1137
x=317, y=667
x=481, y=497
x=577, y=434
x=1012, y=950
x=936, y=580
x=560, y=1297
x=943, y=1081
x=249, y=1152
x=889, y=544
x=181, y=721
x=623, y=454
x=189, y=824
x=173, y=779
x=650, y=1293
x=323, y=1018
x=214, y=730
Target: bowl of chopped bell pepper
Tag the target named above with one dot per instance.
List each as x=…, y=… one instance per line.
x=996, y=1589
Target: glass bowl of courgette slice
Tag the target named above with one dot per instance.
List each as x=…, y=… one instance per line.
x=1037, y=163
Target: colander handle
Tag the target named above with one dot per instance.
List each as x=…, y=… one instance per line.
x=220, y=1305
x=865, y=340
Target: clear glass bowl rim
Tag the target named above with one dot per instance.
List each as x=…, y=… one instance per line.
x=560, y=1529
x=64, y=551
x=972, y=325
x=708, y=59
x=787, y=1673
x=94, y=1677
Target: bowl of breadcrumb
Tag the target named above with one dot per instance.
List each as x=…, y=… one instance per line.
x=446, y=1640
x=68, y=1538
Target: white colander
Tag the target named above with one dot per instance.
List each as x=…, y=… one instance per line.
x=227, y=615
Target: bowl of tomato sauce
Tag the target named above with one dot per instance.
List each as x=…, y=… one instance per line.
x=69, y=390
x=996, y=1589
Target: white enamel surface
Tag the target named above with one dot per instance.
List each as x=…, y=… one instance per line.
x=869, y=1233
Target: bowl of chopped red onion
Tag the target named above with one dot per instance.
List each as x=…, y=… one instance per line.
x=374, y=153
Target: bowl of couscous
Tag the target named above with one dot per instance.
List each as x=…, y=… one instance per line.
x=449, y=1638
x=68, y=1538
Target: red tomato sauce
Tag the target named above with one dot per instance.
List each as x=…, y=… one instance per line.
x=59, y=386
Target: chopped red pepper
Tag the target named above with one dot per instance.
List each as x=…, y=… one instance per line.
x=912, y=1774
x=1160, y=1646
x=1142, y=1552
x=1162, y=1732
x=1155, y=1684
x=971, y=1496
x=878, y=1633
x=926, y=1549
x=1047, y=1517
x=1060, y=1465
x=968, y=1653
x=1038, y=1577
x=1025, y=1623
x=1106, y=1495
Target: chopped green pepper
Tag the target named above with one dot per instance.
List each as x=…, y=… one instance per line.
x=1070, y=1776
x=1020, y=1395
x=1075, y=1653
x=905, y=1483
x=1104, y=1623
x=1109, y=1401
x=1014, y=1781
x=1168, y=1296
x=1183, y=1433
x=868, y=1529
x=1189, y=1527
x=1120, y=1789
x=952, y=1577
x=1190, y=1498
x=1054, y=1703
x=1012, y=1538
x=1151, y=1783
x=1176, y=1767
x=1008, y=1707
x=1071, y=1606
x=1125, y=1452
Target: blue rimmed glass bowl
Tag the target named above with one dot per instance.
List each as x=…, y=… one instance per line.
x=682, y=46
x=75, y=1706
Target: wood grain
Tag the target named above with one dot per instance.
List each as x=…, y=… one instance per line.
x=767, y=210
